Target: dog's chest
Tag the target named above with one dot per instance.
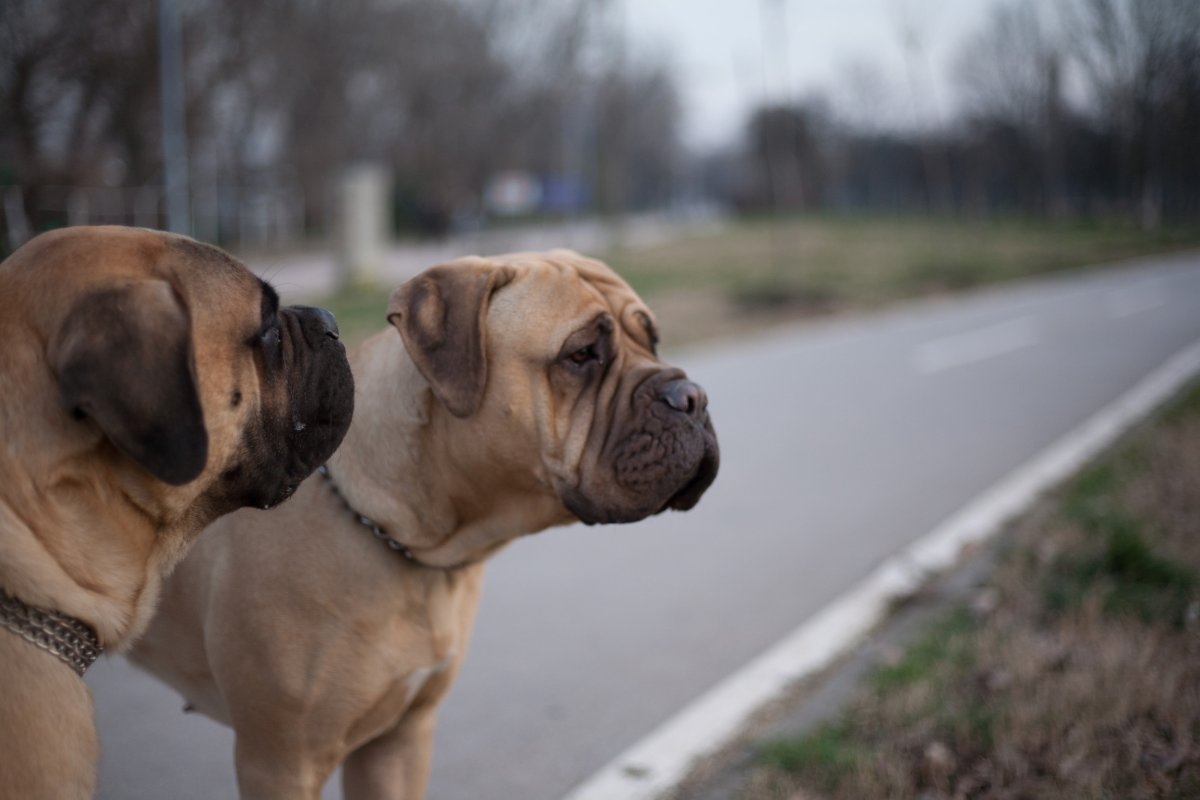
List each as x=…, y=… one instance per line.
x=416, y=679
x=425, y=644
x=397, y=681
x=427, y=657
x=417, y=649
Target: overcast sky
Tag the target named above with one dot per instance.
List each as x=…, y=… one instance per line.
x=717, y=50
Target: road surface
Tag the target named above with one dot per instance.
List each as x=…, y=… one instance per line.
x=841, y=442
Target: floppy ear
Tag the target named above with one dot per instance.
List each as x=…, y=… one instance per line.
x=124, y=359
x=440, y=315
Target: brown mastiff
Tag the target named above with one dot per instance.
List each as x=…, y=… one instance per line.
x=521, y=392
x=148, y=384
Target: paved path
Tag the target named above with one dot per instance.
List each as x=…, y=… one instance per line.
x=841, y=442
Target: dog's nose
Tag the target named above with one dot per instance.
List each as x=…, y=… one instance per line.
x=318, y=320
x=686, y=397
x=328, y=323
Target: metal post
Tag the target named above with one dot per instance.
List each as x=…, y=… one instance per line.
x=174, y=136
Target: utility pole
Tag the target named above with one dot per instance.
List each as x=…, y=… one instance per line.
x=774, y=26
x=174, y=135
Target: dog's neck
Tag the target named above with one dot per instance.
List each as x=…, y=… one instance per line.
x=394, y=468
x=73, y=538
x=108, y=580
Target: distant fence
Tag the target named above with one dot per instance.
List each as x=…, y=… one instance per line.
x=234, y=216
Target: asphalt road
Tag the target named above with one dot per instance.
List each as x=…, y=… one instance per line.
x=841, y=442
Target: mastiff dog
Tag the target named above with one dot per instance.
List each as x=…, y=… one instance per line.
x=148, y=384
x=511, y=394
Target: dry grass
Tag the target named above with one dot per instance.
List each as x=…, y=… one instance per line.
x=754, y=275
x=759, y=273
x=1078, y=677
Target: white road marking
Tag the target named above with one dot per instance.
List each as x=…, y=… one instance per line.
x=1144, y=296
x=974, y=346
x=657, y=762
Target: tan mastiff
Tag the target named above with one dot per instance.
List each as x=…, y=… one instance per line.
x=148, y=384
x=521, y=392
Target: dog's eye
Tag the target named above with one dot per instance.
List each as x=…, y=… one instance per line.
x=268, y=337
x=583, y=355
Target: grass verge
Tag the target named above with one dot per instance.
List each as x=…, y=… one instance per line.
x=753, y=274
x=1080, y=675
x=756, y=273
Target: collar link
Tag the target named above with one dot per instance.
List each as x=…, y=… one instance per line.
x=377, y=531
x=72, y=641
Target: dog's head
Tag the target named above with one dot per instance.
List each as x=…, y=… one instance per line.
x=175, y=370
x=549, y=362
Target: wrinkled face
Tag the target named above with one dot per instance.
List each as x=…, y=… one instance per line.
x=279, y=394
x=186, y=363
x=631, y=435
x=573, y=384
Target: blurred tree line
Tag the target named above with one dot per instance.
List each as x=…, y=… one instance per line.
x=1080, y=108
x=446, y=93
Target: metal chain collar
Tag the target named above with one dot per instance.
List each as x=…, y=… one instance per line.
x=72, y=641
x=378, y=532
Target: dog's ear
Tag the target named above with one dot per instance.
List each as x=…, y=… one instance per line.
x=124, y=360
x=441, y=314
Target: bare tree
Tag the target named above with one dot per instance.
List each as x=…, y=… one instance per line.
x=446, y=92
x=1141, y=61
x=1010, y=75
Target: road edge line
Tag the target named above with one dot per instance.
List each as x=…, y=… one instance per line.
x=663, y=757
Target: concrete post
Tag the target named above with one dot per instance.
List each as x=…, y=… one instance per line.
x=363, y=195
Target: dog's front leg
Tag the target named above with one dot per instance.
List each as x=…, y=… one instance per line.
x=269, y=768
x=48, y=743
x=394, y=766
